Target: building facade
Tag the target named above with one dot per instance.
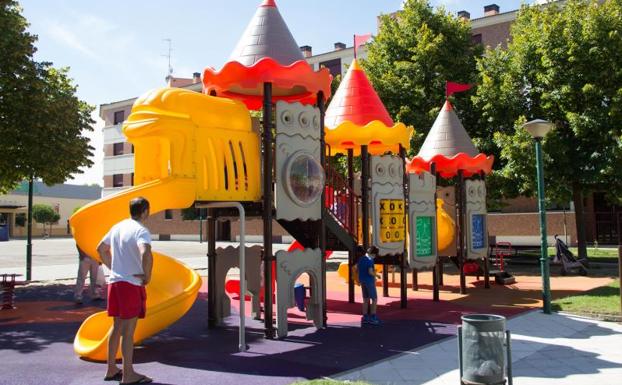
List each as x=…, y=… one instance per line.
x=63, y=198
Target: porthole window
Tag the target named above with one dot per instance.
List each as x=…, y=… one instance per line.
x=304, y=178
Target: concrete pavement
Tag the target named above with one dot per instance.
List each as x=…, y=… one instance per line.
x=556, y=349
x=57, y=258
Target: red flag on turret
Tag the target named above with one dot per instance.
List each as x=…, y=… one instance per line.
x=451, y=88
x=360, y=40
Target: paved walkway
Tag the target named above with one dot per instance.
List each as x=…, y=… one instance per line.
x=546, y=349
x=57, y=258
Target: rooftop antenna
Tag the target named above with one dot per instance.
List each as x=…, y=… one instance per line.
x=168, y=56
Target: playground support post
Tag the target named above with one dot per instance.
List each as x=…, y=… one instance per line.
x=267, y=208
x=544, y=253
x=461, y=220
x=322, y=223
x=200, y=228
x=29, y=241
x=211, y=269
x=352, y=224
x=486, y=260
x=242, y=263
x=403, y=275
x=365, y=195
x=436, y=271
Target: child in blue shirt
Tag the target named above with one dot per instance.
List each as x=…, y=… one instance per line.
x=367, y=279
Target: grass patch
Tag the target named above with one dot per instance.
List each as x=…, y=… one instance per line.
x=604, y=300
x=592, y=253
x=330, y=382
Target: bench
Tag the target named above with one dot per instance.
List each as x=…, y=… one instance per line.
x=8, y=284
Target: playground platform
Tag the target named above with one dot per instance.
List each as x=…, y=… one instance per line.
x=36, y=339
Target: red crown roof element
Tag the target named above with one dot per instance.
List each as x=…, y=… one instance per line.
x=356, y=101
x=267, y=52
x=449, y=146
x=294, y=83
x=448, y=167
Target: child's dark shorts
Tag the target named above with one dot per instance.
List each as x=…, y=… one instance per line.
x=369, y=290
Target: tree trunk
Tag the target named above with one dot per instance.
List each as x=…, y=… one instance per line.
x=577, y=197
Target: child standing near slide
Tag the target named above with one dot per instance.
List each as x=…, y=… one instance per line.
x=367, y=278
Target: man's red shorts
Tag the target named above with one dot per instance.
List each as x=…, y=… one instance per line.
x=126, y=301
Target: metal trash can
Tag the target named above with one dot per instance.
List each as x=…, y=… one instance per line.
x=484, y=348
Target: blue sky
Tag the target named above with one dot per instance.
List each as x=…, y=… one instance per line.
x=115, y=48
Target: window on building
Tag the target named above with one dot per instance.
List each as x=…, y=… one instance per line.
x=334, y=66
x=117, y=180
x=117, y=149
x=119, y=117
x=476, y=39
x=168, y=214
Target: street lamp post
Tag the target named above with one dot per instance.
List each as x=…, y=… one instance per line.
x=538, y=129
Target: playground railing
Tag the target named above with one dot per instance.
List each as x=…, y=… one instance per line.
x=341, y=200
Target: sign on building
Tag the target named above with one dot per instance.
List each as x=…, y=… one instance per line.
x=422, y=253
x=388, y=213
x=299, y=174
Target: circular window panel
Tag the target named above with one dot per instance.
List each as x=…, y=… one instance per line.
x=304, y=179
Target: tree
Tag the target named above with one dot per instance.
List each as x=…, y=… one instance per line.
x=414, y=53
x=45, y=214
x=564, y=64
x=41, y=120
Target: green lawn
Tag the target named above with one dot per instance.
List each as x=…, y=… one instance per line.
x=604, y=300
x=593, y=253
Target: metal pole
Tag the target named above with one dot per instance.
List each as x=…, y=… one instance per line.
x=460, y=352
x=544, y=253
x=322, y=224
x=351, y=223
x=211, y=269
x=29, y=241
x=200, y=229
x=267, y=208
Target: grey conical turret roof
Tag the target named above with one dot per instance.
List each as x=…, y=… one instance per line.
x=447, y=136
x=267, y=35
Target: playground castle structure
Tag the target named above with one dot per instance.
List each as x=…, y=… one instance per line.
x=196, y=149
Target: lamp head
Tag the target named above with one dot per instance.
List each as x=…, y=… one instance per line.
x=538, y=128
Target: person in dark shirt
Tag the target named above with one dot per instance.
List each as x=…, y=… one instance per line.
x=367, y=279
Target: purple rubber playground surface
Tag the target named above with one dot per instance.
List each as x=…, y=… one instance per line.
x=188, y=353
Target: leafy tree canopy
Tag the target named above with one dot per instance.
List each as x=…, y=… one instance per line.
x=41, y=120
x=415, y=52
x=44, y=214
x=564, y=64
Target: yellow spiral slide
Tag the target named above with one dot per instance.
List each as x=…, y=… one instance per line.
x=188, y=147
